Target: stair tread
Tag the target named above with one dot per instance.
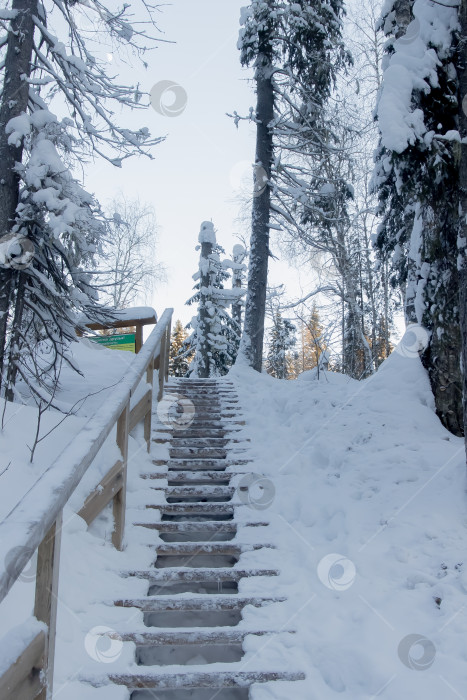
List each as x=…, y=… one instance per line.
x=196, y=476
x=208, y=602
x=198, y=574
x=192, y=491
x=180, y=548
x=180, y=508
x=209, y=464
x=204, y=526
x=160, y=678
x=199, y=635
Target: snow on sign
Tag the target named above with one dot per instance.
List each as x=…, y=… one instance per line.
x=122, y=341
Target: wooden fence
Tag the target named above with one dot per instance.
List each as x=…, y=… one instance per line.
x=32, y=525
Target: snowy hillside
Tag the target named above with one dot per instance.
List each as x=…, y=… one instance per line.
x=367, y=505
x=364, y=493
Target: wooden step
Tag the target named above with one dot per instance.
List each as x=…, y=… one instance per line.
x=213, y=422
x=200, y=464
x=183, y=528
x=198, y=441
x=209, y=407
x=197, y=453
x=162, y=680
x=199, y=381
x=197, y=575
x=207, y=403
x=207, y=476
x=195, y=548
x=178, y=441
x=189, y=431
x=206, y=441
x=187, y=635
x=193, y=508
x=202, y=394
x=209, y=603
x=199, y=388
x=201, y=491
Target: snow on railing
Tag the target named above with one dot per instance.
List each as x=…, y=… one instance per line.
x=35, y=522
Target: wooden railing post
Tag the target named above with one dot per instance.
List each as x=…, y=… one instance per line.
x=167, y=351
x=162, y=365
x=138, y=337
x=119, y=500
x=45, y=607
x=148, y=416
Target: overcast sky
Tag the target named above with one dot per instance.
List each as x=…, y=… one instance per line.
x=196, y=172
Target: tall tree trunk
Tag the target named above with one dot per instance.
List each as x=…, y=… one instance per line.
x=441, y=357
x=462, y=73
x=14, y=102
x=253, y=333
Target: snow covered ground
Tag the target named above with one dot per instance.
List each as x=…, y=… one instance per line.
x=365, y=495
x=369, y=513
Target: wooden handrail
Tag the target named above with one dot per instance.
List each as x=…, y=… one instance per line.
x=34, y=523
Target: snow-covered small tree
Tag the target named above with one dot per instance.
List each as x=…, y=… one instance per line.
x=215, y=336
x=238, y=267
x=179, y=359
x=281, y=339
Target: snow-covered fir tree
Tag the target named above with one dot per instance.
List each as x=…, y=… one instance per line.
x=179, y=360
x=50, y=228
x=215, y=336
x=238, y=267
x=61, y=227
x=281, y=339
x=416, y=178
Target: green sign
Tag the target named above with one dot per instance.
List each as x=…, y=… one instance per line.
x=123, y=341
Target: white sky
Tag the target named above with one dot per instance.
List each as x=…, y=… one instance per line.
x=196, y=173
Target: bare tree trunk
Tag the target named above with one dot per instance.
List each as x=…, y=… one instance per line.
x=14, y=102
x=253, y=333
x=385, y=282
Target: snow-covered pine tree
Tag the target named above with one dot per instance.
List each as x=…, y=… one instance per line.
x=296, y=49
x=416, y=176
x=62, y=227
x=215, y=336
x=282, y=338
x=178, y=359
x=238, y=267
x=49, y=227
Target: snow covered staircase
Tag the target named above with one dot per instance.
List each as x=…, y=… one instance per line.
x=192, y=643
